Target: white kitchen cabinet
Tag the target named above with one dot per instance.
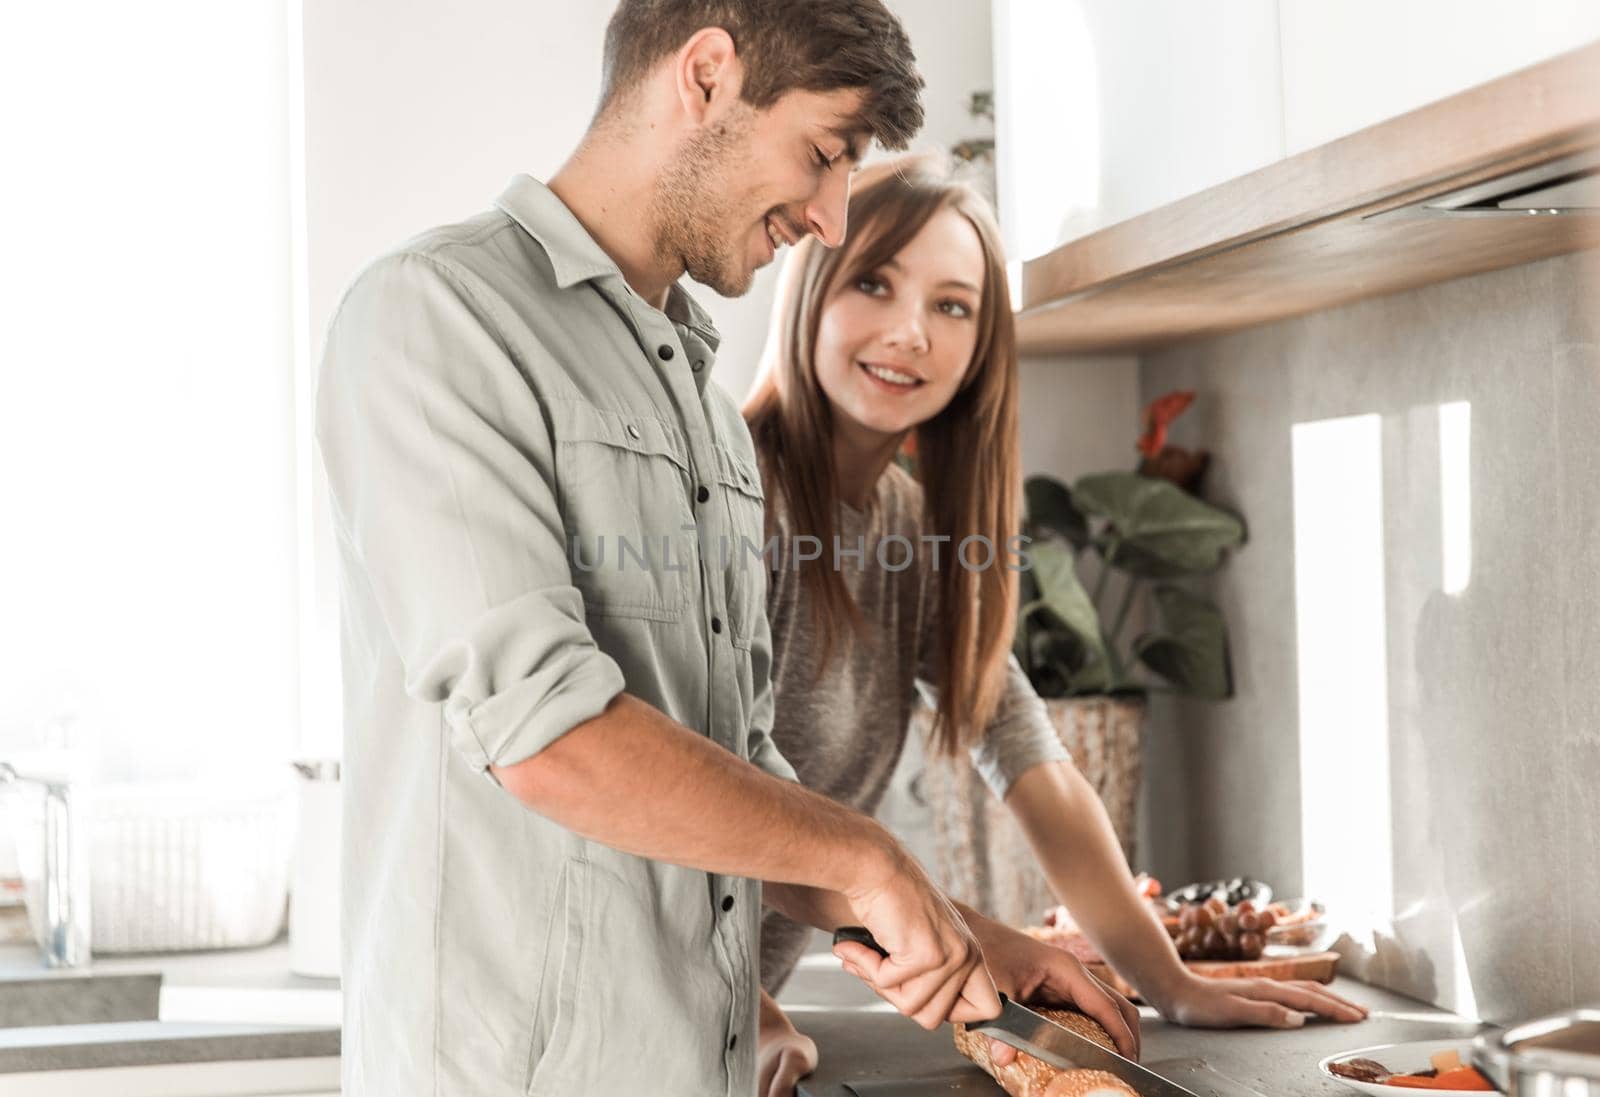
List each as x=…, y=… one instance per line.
x=1106, y=110
x=1355, y=63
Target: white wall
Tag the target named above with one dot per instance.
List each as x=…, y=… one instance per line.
x=418, y=114
x=1079, y=414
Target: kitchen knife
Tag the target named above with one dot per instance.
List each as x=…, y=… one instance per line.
x=1042, y=1038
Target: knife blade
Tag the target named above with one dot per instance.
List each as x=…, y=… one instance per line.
x=1059, y=1046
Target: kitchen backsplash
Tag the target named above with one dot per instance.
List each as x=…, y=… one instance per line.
x=1450, y=438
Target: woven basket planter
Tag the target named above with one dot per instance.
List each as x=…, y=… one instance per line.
x=981, y=856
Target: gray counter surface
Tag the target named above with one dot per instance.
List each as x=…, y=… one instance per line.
x=108, y=1014
x=151, y=1043
x=859, y=1040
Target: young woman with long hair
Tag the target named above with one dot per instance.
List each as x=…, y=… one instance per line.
x=883, y=578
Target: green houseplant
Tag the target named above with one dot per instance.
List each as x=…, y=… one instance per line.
x=1098, y=550
x=1151, y=533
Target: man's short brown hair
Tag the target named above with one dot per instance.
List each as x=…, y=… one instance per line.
x=784, y=45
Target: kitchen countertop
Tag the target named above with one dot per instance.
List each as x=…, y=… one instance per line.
x=222, y=1006
x=229, y=1006
x=152, y=1043
x=860, y=1039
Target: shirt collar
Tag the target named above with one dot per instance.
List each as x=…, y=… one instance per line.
x=574, y=255
x=683, y=309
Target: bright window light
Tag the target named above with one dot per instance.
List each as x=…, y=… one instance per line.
x=1014, y=280
x=147, y=432
x=1339, y=613
x=1455, y=495
x=1466, y=1000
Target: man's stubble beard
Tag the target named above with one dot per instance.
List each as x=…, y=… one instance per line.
x=691, y=212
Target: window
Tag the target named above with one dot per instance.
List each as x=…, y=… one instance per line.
x=148, y=431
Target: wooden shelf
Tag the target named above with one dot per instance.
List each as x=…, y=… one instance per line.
x=1300, y=235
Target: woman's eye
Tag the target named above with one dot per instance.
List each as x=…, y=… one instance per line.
x=817, y=155
x=958, y=309
x=869, y=285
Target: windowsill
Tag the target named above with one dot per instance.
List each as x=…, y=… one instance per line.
x=226, y=985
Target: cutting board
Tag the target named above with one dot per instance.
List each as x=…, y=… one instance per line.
x=962, y=1084
x=1318, y=967
x=871, y=1052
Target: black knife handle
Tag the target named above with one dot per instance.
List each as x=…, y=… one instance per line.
x=859, y=935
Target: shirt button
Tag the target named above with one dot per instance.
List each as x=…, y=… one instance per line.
x=716, y=624
x=633, y=432
x=733, y=1041
x=702, y=494
x=664, y=352
x=699, y=364
x=727, y=903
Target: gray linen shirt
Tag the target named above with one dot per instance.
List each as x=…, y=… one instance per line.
x=843, y=726
x=496, y=409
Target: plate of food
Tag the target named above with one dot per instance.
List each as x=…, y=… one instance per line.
x=1440, y=1067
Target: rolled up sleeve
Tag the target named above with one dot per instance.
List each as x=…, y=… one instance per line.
x=440, y=465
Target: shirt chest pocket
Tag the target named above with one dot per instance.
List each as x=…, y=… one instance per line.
x=739, y=483
x=624, y=484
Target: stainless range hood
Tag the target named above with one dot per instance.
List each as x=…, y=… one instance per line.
x=1565, y=187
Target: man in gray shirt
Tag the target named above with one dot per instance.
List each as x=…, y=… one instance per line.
x=530, y=477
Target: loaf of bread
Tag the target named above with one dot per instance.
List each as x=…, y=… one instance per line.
x=1026, y=1076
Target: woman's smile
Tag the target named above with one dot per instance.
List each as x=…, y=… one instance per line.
x=889, y=378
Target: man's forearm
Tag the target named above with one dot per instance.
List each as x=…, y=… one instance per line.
x=810, y=906
x=1078, y=850
x=634, y=779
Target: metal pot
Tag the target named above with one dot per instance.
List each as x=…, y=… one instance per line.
x=1555, y=1056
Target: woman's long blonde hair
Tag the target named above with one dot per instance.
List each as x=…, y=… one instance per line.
x=967, y=456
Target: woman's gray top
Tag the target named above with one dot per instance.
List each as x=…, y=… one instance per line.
x=842, y=727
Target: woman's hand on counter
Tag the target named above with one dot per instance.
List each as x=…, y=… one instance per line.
x=1260, y=1003
x=1064, y=820
x=785, y=1054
